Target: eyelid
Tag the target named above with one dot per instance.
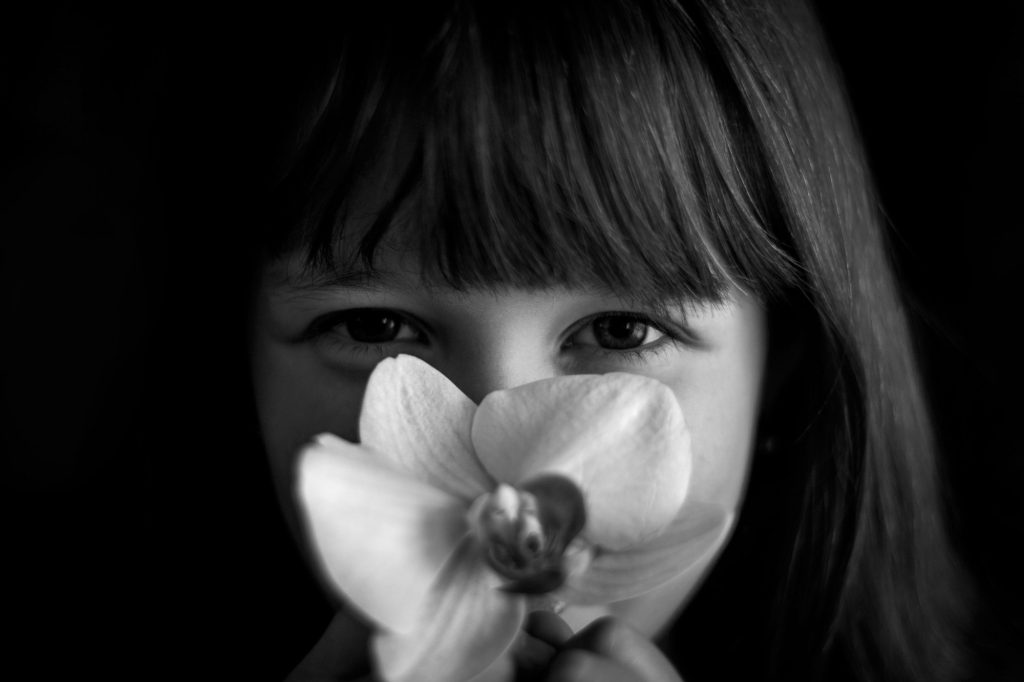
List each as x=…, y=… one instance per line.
x=329, y=322
x=672, y=329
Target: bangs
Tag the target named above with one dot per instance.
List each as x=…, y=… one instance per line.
x=578, y=143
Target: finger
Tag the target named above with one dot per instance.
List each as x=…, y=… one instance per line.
x=340, y=654
x=531, y=657
x=579, y=665
x=543, y=635
x=548, y=627
x=617, y=641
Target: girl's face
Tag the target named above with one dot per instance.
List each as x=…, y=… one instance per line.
x=315, y=344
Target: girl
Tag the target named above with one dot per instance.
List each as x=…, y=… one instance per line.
x=513, y=191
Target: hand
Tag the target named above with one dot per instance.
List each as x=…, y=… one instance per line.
x=607, y=650
x=340, y=655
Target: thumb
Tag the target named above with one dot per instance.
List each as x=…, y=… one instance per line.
x=340, y=654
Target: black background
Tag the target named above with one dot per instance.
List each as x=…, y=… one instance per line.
x=140, y=524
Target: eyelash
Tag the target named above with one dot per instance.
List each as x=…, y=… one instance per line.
x=673, y=337
x=325, y=328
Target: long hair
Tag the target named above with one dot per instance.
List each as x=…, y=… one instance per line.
x=669, y=148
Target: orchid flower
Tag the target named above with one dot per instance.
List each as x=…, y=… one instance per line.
x=449, y=521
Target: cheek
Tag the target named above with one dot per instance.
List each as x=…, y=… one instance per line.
x=721, y=402
x=722, y=429
x=296, y=399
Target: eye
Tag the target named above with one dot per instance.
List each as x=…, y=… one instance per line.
x=366, y=326
x=617, y=331
x=373, y=325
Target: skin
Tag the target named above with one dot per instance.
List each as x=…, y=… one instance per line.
x=310, y=372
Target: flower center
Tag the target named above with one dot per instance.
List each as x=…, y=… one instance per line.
x=526, y=531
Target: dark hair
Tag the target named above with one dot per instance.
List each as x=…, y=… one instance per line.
x=670, y=147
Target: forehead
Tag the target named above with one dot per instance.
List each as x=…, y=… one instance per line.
x=492, y=198
x=292, y=282
x=393, y=270
x=604, y=157
x=390, y=228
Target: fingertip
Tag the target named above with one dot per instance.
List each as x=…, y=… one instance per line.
x=579, y=665
x=606, y=635
x=572, y=665
x=548, y=627
x=610, y=639
x=531, y=657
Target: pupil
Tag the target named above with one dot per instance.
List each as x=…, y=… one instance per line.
x=372, y=326
x=620, y=332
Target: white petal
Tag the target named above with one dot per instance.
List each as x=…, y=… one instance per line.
x=382, y=538
x=620, y=437
x=420, y=421
x=466, y=628
x=693, y=538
